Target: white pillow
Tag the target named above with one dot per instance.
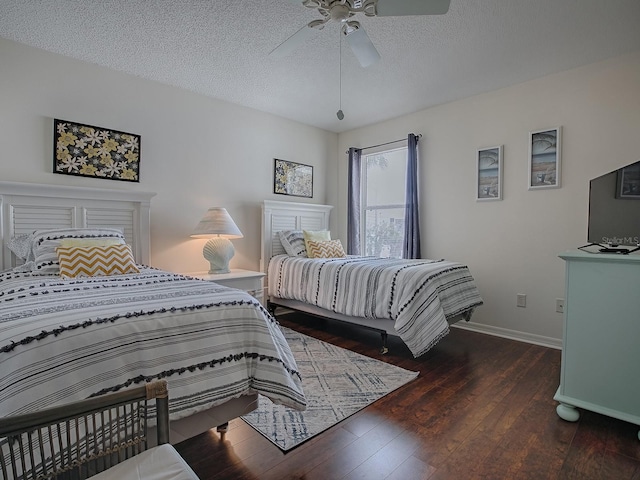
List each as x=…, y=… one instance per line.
x=293, y=242
x=45, y=242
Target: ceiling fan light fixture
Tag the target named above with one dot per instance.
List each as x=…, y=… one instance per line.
x=350, y=27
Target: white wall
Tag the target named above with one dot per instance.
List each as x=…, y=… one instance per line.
x=199, y=152
x=511, y=246
x=196, y=152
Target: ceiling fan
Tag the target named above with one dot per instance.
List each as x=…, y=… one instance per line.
x=344, y=10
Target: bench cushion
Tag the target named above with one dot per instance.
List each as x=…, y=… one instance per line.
x=158, y=463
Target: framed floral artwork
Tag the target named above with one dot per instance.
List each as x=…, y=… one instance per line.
x=89, y=151
x=290, y=178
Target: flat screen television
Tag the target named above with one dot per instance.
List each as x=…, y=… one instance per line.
x=614, y=210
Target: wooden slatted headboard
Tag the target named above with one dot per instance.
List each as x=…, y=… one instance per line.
x=277, y=216
x=25, y=207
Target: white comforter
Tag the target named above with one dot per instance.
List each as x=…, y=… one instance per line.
x=418, y=295
x=63, y=340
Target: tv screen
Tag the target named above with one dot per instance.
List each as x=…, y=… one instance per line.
x=614, y=208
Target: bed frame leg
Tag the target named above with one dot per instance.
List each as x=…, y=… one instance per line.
x=222, y=429
x=384, y=348
x=271, y=308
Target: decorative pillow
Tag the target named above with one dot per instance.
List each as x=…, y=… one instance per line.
x=89, y=242
x=20, y=245
x=45, y=242
x=293, y=243
x=316, y=236
x=96, y=261
x=325, y=249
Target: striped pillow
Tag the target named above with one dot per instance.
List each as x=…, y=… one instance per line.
x=96, y=261
x=45, y=242
x=293, y=243
x=325, y=249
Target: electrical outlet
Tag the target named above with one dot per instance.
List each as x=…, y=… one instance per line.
x=521, y=300
x=560, y=305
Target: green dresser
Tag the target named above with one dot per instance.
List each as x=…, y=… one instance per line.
x=601, y=341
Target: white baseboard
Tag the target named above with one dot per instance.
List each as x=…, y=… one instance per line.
x=495, y=331
x=511, y=334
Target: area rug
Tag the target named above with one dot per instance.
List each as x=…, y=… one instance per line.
x=337, y=383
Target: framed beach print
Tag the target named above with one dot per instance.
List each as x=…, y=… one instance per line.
x=489, y=174
x=290, y=178
x=628, y=182
x=544, y=158
x=89, y=151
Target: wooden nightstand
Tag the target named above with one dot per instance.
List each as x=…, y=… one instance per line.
x=247, y=280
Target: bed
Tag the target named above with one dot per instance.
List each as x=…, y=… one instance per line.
x=65, y=339
x=415, y=300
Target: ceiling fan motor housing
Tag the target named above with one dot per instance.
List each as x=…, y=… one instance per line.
x=340, y=12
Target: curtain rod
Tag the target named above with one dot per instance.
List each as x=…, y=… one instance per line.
x=419, y=135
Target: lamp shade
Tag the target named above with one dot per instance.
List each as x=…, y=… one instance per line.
x=217, y=223
x=219, y=227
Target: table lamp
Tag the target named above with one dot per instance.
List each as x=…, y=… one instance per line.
x=218, y=226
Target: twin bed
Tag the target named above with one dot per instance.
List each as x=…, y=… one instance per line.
x=65, y=339
x=416, y=300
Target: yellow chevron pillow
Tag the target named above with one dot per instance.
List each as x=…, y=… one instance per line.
x=96, y=261
x=325, y=249
x=316, y=236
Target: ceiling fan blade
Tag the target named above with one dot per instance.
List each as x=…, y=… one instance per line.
x=396, y=8
x=362, y=47
x=293, y=42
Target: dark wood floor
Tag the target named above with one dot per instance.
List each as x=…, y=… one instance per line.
x=482, y=407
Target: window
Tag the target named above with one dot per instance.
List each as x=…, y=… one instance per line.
x=383, y=203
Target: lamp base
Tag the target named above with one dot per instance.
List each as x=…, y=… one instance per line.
x=218, y=251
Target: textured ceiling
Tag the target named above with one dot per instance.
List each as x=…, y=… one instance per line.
x=220, y=48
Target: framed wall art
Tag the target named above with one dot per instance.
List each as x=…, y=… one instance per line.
x=89, y=151
x=290, y=178
x=628, y=182
x=489, y=174
x=544, y=158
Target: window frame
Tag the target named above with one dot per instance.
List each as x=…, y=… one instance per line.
x=364, y=188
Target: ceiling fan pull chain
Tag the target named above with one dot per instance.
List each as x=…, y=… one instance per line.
x=340, y=113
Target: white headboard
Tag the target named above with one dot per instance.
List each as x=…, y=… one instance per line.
x=277, y=216
x=25, y=207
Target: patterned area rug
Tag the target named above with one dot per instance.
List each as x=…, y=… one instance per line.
x=337, y=384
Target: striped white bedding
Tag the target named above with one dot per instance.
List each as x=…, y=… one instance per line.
x=62, y=340
x=418, y=295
